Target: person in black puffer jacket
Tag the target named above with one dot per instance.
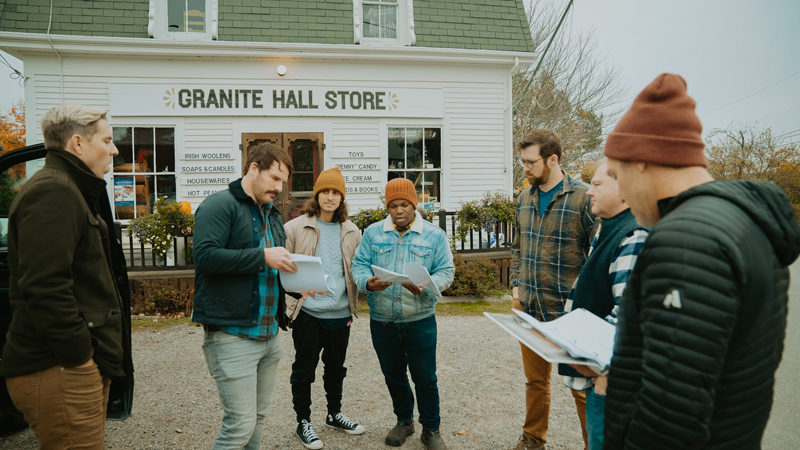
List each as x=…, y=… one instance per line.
x=703, y=317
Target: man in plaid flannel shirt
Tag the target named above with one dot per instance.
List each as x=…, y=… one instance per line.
x=598, y=289
x=554, y=224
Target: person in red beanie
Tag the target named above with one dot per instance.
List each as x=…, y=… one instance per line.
x=703, y=317
x=402, y=321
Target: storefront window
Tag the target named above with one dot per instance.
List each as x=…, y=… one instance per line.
x=415, y=154
x=186, y=16
x=144, y=170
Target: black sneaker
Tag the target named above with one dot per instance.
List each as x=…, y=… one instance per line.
x=305, y=431
x=341, y=422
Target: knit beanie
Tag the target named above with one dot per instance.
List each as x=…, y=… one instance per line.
x=401, y=188
x=660, y=127
x=330, y=179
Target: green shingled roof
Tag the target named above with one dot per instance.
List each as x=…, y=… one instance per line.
x=467, y=24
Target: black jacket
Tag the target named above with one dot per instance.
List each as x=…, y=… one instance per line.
x=227, y=262
x=68, y=288
x=703, y=320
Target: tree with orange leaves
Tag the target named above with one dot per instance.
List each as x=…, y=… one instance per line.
x=12, y=128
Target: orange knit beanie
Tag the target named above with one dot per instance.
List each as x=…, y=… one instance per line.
x=661, y=127
x=401, y=188
x=330, y=179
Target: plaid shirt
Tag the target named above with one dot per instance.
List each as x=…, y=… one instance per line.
x=268, y=290
x=548, y=252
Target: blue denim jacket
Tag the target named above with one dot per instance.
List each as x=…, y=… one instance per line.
x=381, y=245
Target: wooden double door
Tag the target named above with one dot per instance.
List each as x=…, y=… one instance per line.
x=305, y=150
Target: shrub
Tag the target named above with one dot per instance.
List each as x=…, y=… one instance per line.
x=158, y=229
x=484, y=214
x=475, y=277
x=162, y=297
x=367, y=217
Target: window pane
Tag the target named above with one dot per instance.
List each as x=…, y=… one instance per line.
x=414, y=148
x=145, y=195
x=143, y=149
x=433, y=148
x=302, y=181
x=124, y=197
x=122, y=139
x=388, y=22
x=396, y=144
x=11, y=182
x=303, y=155
x=431, y=194
x=175, y=10
x=393, y=175
x=165, y=185
x=371, y=21
x=196, y=16
x=416, y=178
x=165, y=150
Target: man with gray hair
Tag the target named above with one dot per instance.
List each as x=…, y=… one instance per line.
x=68, y=289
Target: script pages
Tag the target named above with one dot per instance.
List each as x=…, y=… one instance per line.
x=309, y=276
x=579, y=332
x=412, y=272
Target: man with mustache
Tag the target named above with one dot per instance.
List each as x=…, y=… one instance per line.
x=402, y=321
x=238, y=251
x=321, y=324
x=554, y=224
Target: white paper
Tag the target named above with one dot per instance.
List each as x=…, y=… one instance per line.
x=580, y=333
x=539, y=344
x=412, y=272
x=309, y=276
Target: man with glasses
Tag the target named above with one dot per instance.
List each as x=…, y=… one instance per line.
x=554, y=223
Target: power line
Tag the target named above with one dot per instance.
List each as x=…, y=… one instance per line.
x=780, y=113
x=756, y=92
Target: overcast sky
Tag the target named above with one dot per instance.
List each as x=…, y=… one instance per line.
x=740, y=58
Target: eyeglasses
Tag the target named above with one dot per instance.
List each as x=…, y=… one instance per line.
x=528, y=164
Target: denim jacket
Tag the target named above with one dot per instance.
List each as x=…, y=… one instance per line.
x=381, y=245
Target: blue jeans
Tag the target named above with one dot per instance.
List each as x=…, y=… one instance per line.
x=412, y=346
x=595, y=415
x=246, y=372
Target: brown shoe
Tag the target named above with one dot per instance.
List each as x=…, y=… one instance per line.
x=432, y=440
x=397, y=435
x=528, y=443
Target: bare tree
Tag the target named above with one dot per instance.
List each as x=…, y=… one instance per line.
x=570, y=92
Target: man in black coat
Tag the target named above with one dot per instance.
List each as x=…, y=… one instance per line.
x=703, y=317
x=70, y=324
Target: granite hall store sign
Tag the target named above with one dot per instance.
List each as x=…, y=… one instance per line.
x=138, y=99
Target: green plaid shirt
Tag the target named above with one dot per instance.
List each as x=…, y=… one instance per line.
x=548, y=251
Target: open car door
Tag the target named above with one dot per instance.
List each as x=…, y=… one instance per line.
x=16, y=167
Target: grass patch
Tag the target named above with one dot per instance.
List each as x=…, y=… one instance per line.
x=151, y=323
x=456, y=309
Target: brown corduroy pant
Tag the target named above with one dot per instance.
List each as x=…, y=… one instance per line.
x=537, y=398
x=65, y=406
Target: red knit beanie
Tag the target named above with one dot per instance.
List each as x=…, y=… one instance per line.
x=401, y=188
x=660, y=127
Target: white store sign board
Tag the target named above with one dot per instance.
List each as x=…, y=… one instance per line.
x=224, y=99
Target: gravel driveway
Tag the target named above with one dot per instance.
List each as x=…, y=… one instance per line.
x=481, y=386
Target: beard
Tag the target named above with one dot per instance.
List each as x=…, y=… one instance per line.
x=540, y=180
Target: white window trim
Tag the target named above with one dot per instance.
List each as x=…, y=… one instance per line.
x=405, y=25
x=157, y=23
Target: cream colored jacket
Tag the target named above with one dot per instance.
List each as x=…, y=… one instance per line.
x=302, y=236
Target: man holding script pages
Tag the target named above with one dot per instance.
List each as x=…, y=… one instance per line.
x=598, y=289
x=402, y=318
x=321, y=323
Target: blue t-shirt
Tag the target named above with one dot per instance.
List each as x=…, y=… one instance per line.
x=546, y=197
x=335, y=304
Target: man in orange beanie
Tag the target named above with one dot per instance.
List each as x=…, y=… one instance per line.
x=703, y=317
x=402, y=321
x=322, y=323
